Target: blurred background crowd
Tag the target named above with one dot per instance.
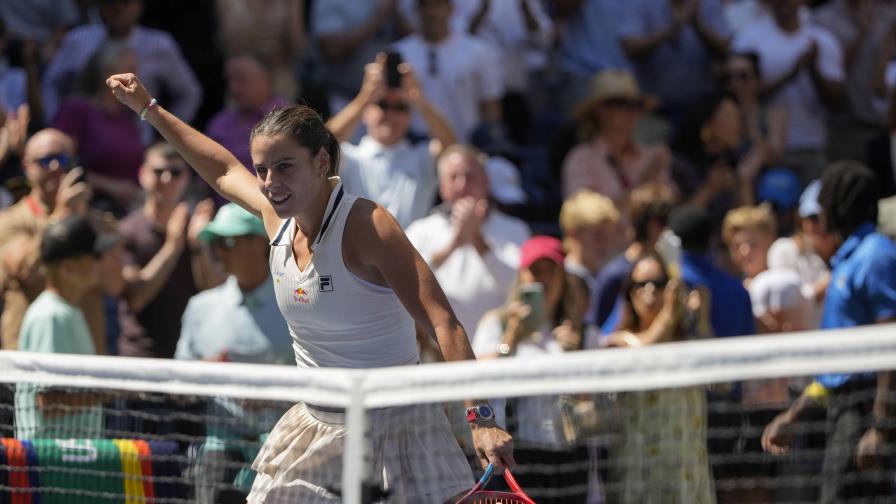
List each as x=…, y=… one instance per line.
x=600, y=148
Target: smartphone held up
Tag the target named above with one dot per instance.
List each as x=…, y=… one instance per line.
x=393, y=75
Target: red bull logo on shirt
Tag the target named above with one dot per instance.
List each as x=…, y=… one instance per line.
x=301, y=296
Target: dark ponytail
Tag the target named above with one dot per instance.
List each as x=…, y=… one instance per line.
x=303, y=125
x=848, y=196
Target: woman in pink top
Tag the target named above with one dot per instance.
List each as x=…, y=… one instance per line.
x=106, y=133
x=609, y=160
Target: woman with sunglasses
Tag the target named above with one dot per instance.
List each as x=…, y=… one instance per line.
x=659, y=453
x=351, y=288
x=608, y=160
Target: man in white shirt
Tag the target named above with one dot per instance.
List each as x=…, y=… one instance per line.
x=802, y=69
x=473, y=248
x=384, y=166
x=457, y=72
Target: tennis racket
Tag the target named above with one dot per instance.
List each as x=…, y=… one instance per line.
x=477, y=495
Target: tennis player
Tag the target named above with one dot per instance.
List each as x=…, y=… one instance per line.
x=351, y=287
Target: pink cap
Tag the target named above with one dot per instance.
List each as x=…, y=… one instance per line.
x=541, y=247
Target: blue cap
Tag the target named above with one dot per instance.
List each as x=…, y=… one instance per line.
x=809, y=200
x=780, y=186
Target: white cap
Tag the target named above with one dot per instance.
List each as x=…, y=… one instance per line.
x=504, y=181
x=809, y=205
x=775, y=290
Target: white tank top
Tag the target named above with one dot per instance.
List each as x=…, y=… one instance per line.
x=335, y=318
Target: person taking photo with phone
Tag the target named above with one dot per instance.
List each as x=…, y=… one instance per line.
x=57, y=191
x=385, y=166
x=544, y=316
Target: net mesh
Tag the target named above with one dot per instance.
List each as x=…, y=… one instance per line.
x=677, y=422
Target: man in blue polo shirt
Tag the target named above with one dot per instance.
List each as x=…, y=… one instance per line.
x=731, y=313
x=862, y=291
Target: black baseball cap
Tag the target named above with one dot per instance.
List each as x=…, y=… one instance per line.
x=693, y=225
x=73, y=237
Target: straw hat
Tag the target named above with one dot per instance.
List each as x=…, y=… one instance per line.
x=613, y=84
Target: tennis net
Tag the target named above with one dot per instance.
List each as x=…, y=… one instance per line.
x=677, y=422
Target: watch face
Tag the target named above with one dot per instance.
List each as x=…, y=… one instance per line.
x=485, y=412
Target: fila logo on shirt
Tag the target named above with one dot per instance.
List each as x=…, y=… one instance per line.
x=325, y=283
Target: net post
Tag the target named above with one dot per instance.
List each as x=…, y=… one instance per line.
x=353, y=457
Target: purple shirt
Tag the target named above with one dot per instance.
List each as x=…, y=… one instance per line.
x=108, y=143
x=231, y=127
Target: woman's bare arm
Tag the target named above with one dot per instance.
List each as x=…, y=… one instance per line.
x=379, y=246
x=211, y=160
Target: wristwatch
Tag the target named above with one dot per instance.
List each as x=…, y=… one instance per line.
x=480, y=412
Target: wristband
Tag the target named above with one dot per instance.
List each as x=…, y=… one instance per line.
x=818, y=392
x=152, y=103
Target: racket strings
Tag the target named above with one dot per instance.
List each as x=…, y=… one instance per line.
x=493, y=498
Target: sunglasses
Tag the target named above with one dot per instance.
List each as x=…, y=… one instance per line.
x=658, y=283
x=625, y=103
x=173, y=170
x=64, y=161
x=396, y=106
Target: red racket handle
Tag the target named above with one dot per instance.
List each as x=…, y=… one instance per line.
x=514, y=486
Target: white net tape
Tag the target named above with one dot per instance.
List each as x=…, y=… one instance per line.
x=689, y=363
x=179, y=393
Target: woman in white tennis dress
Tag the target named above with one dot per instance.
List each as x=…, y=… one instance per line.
x=351, y=288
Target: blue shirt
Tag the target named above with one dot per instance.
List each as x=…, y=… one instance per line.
x=731, y=312
x=247, y=327
x=862, y=289
x=590, y=42
x=690, y=76
x=605, y=292
x=13, y=87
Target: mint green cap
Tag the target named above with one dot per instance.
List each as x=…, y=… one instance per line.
x=232, y=220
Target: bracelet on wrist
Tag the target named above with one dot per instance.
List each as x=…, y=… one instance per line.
x=504, y=350
x=152, y=103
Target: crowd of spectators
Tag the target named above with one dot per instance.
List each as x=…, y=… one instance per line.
x=663, y=169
